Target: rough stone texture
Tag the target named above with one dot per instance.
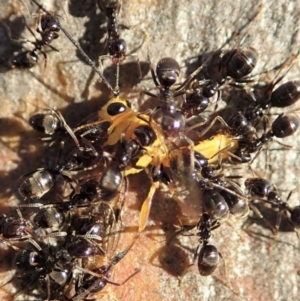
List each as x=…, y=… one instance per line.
x=258, y=266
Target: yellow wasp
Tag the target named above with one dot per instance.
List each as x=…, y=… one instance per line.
x=123, y=123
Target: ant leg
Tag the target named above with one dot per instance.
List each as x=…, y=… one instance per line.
x=45, y=58
x=192, y=75
x=31, y=31
x=223, y=153
x=150, y=94
x=258, y=213
x=278, y=222
x=218, y=118
x=228, y=283
x=126, y=280
x=102, y=58
x=117, y=76
x=196, y=253
x=286, y=145
x=217, y=101
x=90, y=145
x=68, y=129
x=8, y=244
x=153, y=73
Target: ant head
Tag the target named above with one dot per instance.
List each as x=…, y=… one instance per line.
x=167, y=71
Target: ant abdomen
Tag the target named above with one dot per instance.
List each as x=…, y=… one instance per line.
x=240, y=62
x=258, y=187
x=37, y=184
x=215, y=205
x=286, y=94
x=238, y=207
x=49, y=217
x=110, y=181
x=295, y=216
x=238, y=124
x=208, y=260
x=45, y=123
x=194, y=104
x=25, y=60
x=285, y=125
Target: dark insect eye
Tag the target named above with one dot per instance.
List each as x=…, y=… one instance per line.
x=116, y=108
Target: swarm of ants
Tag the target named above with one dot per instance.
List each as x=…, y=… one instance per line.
x=68, y=223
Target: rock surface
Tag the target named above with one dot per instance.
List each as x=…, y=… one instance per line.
x=183, y=30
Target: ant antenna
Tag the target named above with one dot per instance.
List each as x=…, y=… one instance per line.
x=76, y=44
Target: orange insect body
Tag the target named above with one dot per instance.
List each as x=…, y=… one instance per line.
x=120, y=123
x=217, y=146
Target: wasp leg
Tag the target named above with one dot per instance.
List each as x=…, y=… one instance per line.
x=145, y=211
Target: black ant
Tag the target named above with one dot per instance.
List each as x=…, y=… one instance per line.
x=39, y=182
x=36, y=184
x=285, y=95
x=262, y=189
x=219, y=202
x=49, y=217
x=167, y=73
x=50, y=123
x=116, y=45
x=42, y=271
x=238, y=205
x=49, y=28
x=115, y=92
x=236, y=64
x=208, y=256
x=85, y=235
x=107, y=187
x=16, y=229
x=282, y=127
x=202, y=190
x=88, y=233
x=232, y=67
x=95, y=280
x=20, y=230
